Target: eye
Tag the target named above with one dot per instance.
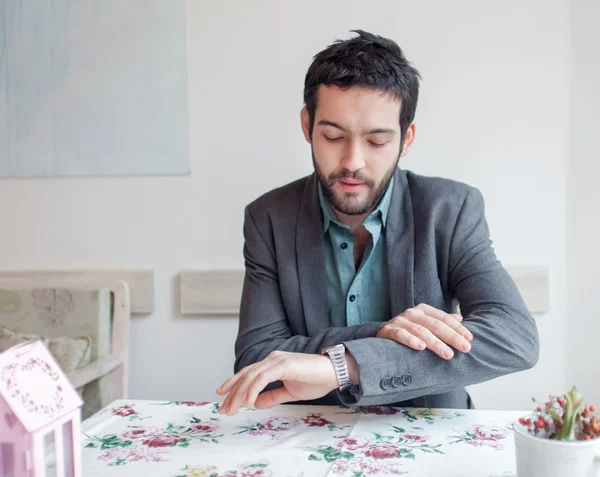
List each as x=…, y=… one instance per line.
x=377, y=144
x=333, y=139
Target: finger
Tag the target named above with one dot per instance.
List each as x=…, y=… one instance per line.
x=257, y=376
x=232, y=385
x=402, y=336
x=227, y=385
x=430, y=339
x=452, y=320
x=270, y=375
x=273, y=398
x=442, y=332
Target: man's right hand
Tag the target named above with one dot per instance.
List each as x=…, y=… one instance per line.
x=427, y=327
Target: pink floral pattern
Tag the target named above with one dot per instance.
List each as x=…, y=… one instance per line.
x=386, y=451
x=353, y=444
x=385, y=444
x=380, y=454
x=363, y=467
x=140, y=433
x=259, y=469
x=121, y=455
x=54, y=305
x=274, y=427
x=136, y=441
x=12, y=373
x=482, y=436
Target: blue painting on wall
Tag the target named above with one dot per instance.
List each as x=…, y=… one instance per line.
x=93, y=88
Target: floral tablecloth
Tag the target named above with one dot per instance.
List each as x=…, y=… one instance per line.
x=190, y=439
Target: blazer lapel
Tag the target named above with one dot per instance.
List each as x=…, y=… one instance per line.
x=399, y=238
x=310, y=256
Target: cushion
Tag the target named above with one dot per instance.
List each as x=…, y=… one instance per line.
x=69, y=353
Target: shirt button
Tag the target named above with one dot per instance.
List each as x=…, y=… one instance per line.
x=406, y=379
x=344, y=245
x=352, y=298
x=385, y=384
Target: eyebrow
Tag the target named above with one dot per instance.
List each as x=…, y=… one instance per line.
x=325, y=122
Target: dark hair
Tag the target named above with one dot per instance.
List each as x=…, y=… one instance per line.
x=366, y=60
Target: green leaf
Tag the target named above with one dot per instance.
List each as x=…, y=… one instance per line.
x=398, y=429
x=573, y=408
x=377, y=436
x=331, y=454
x=113, y=442
x=429, y=420
x=410, y=456
x=315, y=457
x=91, y=445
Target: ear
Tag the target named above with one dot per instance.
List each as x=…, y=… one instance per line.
x=305, y=121
x=408, y=139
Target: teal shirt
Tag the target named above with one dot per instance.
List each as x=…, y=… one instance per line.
x=356, y=296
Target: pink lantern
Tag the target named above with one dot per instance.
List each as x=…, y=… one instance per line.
x=40, y=415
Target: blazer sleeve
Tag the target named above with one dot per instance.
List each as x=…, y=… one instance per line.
x=505, y=336
x=263, y=325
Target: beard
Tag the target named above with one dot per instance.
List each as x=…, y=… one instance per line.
x=349, y=203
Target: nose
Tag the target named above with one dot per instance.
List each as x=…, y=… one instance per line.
x=354, y=158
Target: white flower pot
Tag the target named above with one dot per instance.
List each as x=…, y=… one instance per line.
x=538, y=457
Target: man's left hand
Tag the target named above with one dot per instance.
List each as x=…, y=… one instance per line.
x=304, y=376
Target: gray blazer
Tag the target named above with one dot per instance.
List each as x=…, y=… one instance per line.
x=439, y=252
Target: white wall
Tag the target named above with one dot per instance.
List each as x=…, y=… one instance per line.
x=493, y=112
x=583, y=223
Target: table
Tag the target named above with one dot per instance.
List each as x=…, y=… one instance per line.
x=190, y=439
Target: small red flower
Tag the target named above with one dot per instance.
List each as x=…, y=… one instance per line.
x=204, y=428
x=383, y=452
x=124, y=411
x=161, y=441
x=314, y=420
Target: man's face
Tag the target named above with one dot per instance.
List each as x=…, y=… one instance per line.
x=355, y=145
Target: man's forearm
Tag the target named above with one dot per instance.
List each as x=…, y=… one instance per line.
x=253, y=346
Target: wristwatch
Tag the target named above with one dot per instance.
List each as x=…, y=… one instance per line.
x=337, y=354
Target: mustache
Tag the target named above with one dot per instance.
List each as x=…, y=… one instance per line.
x=356, y=175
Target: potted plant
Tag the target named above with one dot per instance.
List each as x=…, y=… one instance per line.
x=561, y=438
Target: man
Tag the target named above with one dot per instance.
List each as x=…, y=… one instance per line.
x=354, y=273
